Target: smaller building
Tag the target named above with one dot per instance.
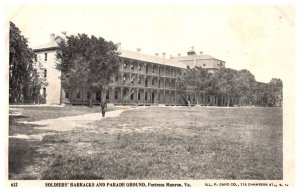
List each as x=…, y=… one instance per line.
x=202, y=60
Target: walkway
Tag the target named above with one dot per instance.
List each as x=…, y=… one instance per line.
x=66, y=123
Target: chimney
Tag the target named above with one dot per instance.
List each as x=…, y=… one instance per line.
x=179, y=54
x=119, y=44
x=64, y=34
x=163, y=56
x=171, y=57
x=138, y=49
x=52, y=37
x=156, y=54
x=191, y=52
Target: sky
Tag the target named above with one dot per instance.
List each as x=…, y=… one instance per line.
x=259, y=38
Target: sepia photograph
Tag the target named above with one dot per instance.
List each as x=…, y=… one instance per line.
x=152, y=92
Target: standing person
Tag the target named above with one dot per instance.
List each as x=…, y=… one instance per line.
x=103, y=108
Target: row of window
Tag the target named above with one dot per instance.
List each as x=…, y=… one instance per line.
x=45, y=57
x=139, y=96
x=132, y=67
x=44, y=74
x=146, y=81
x=78, y=95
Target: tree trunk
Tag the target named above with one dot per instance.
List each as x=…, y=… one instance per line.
x=82, y=100
x=103, y=94
x=70, y=96
x=91, y=99
x=228, y=100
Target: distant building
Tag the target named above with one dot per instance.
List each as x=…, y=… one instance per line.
x=142, y=79
x=202, y=60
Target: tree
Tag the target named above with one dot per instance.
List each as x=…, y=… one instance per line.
x=21, y=69
x=195, y=79
x=244, y=84
x=269, y=94
x=274, y=92
x=87, y=62
x=223, y=83
x=37, y=82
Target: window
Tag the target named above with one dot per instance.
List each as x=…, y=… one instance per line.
x=126, y=64
x=139, y=80
x=132, y=79
x=132, y=67
x=139, y=96
x=35, y=57
x=153, y=69
x=116, y=95
x=107, y=95
x=46, y=57
x=67, y=93
x=146, y=95
x=153, y=81
x=131, y=96
x=204, y=64
x=139, y=67
x=44, y=92
x=89, y=95
x=45, y=73
x=78, y=95
x=98, y=96
x=116, y=78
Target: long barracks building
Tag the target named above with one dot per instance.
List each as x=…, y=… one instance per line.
x=142, y=79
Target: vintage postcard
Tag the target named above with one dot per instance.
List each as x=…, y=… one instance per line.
x=157, y=95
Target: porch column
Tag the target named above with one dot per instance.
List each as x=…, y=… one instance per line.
x=137, y=96
x=121, y=95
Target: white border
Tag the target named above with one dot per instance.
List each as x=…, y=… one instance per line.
x=4, y=97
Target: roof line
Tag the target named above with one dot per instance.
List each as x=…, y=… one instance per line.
x=45, y=49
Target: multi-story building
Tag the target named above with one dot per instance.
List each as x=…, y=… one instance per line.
x=45, y=60
x=142, y=79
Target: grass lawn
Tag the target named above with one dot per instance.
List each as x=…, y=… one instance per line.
x=156, y=143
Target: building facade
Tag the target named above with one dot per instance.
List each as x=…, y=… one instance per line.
x=142, y=79
x=202, y=60
x=45, y=60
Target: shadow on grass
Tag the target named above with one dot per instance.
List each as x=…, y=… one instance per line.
x=22, y=153
x=25, y=129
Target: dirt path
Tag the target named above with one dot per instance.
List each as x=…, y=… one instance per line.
x=66, y=123
x=71, y=122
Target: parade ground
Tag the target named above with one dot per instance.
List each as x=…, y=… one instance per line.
x=164, y=143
